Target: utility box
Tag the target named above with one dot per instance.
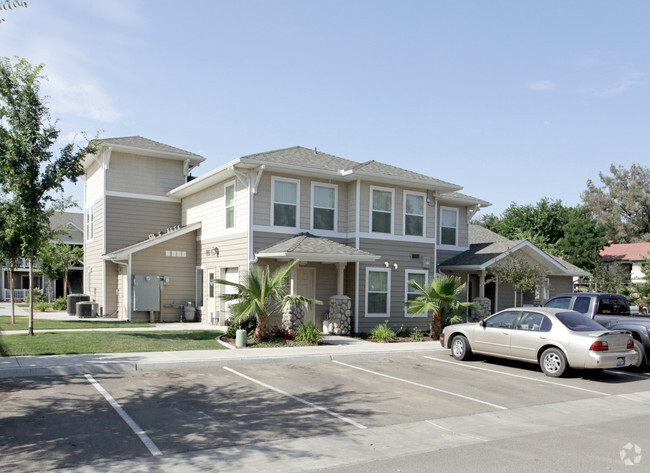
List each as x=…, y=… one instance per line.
x=146, y=292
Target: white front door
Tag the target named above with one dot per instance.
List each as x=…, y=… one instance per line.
x=232, y=275
x=307, y=288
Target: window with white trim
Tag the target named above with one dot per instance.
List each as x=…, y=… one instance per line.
x=378, y=292
x=323, y=216
x=413, y=214
x=285, y=202
x=90, y=222
x=381, y=210
x=448, y=226
x=229, y=203
x=419, y=276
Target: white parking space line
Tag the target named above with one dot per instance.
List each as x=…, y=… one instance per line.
x=126, y=418
x=538, y=380
x=296, y=398
x=443, y=391
x=456, y=433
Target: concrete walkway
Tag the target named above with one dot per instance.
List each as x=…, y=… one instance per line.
x=334, y=347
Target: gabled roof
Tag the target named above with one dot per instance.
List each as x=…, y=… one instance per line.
x=487, y=248
x=62, y=219
x=153, y=240
x=147, y=147
x=626, y=252
x=307, y=247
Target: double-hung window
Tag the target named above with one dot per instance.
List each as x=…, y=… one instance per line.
x=90, y=222
x=377, y=292
x=285, y=202
x=229, y=199
x=448, y=226
x=420, y=277
x=323, y=207
x=413, y=214
x=381, y=210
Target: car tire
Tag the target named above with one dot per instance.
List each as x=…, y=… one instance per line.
x=460, y=349
x=553, y=362
x=638, y=347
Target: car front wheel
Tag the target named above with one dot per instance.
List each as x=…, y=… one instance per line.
x=553, y=362
x=460, y=349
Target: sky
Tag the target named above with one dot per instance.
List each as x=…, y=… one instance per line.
x=516, y=101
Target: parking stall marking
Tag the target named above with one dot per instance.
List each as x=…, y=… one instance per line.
x=126, y=418
x=443, y=391
x=296, y=398
x=517, y=376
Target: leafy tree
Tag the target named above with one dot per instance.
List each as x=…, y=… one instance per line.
x=583, y=239
x=260, y=295
x=523, y=275
x=440, y=294
x=542, y=224
x=29, y=174
x=609, y=278
x=10, y=246
x=57, y=258
x=622, y=203
x=10, y=5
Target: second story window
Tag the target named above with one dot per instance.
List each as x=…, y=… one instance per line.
x=90, y=223
x=413, y=214
x=448, y=226
x=285, y=202
x=229, y=195
x=381, y=210
x=323, y=207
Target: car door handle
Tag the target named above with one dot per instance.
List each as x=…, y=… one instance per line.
x=542, y=337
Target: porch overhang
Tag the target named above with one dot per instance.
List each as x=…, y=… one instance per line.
x=312, y=249
x=154, y=239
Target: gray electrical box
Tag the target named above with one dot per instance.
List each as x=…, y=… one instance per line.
x=146, y=292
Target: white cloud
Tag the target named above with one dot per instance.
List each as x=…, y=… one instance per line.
x=542, y=85
x=629, y=80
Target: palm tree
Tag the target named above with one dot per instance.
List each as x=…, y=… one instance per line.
x=441, y=293
x=260, y=295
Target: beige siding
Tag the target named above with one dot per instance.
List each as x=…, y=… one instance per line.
x=130, y=221
x=560, y=284
x=93, y=262
x=143, y=175
x=111, y=302
x=208, y=207
x=181, y=271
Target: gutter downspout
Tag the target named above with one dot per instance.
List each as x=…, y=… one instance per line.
x=435, y=229
x=356, y=265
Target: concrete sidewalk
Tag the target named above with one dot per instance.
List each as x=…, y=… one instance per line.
x=334, y=347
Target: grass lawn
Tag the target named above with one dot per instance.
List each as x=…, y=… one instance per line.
x=66, y=343
x=22, y=323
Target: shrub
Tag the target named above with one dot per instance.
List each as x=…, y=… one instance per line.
x=416, y=335
x=60, y=304
x=38, y=296
x=282, y=334
x=41, y=306
x=308, y=333
x=382, y=333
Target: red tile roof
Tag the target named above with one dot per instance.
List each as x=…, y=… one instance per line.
x=626, y=252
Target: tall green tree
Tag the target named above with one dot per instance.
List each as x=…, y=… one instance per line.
x=29, y=173
x=524, y=276
x=583, y=239
x=622, y=203
x=262, y=293
x=56, y=259
x=10, y=246
x=442, y=292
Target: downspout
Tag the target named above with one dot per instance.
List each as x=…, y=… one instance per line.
x=356, y=265
x=252, y=190
x=435, y=229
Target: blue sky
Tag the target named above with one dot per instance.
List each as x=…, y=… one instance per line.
x=513, y=100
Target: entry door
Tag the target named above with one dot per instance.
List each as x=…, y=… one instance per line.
x=307, y=288
x=232, y=275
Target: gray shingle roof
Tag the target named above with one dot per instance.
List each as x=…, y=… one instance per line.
x=305, y=245
x=374, y=167
x=304, y=157
x=59, y=220
x=146, y=144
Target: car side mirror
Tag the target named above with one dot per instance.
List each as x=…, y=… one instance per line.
x=482, y=323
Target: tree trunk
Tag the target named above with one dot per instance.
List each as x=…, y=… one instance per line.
x=436, y=328
x=65, y=284
x=262, y=329
x=30, y=330
x=11, y=295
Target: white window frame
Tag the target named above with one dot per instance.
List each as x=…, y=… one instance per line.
x=226, y=207
x=275, y=179
x=379, y=270
x=90, y=223
x=453, y=209
x=392, y=209
x=406, y=288
x=336, y=205
x=424, y=212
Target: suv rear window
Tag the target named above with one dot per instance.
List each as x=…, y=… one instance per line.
x=578, y=322
x=613, y=305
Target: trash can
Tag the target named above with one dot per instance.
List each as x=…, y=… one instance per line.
x=72, y=302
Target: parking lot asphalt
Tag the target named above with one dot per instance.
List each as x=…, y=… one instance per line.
x=306, y=414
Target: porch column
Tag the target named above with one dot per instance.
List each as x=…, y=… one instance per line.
x=293, y=282
x=481, y=285
x=340, y=267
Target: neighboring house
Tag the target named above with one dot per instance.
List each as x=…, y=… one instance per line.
x=156, y=239
x=70, y=226
x=487, y=249
x=630, y=258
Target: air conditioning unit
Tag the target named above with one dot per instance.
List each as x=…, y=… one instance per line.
x=87, y=309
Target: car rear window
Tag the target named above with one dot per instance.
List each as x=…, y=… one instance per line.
x=578, y=322
x=613, y=305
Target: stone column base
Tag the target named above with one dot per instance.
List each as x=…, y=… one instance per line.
x=340, y=315
x=484, y=311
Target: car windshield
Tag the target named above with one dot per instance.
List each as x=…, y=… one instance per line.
x=578, y=322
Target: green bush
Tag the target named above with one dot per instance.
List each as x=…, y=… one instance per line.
x=416, y=335
x=42, y=306
x=38, y=296
x=382, y=333
x=308, y=333
x=60, y=304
